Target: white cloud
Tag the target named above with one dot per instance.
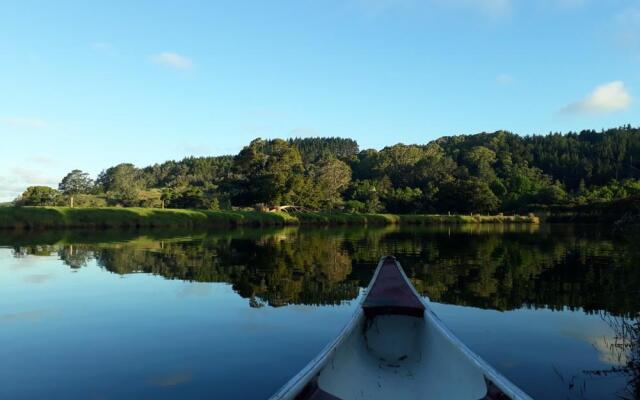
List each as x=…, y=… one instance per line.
x=505, y=79
x=606, y=98
x=493, y=8
x=10, y=190
x=611, y=349
x=29, y=123
x=14, y=181
x=173, y=60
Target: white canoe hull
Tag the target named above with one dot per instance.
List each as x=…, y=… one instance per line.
x=397, y=357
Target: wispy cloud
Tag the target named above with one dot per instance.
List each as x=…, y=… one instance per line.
x=627, y=29
x=28, y=123
x=197, y=289
x=32, y=316
x=493, y=8
x=31, y=176
x=567, y=4
x=13, y=181
x=10, y=190
x=43, y=160
x=102, y=46
x=505, y=79
x=375, y=7
x=606, y=98
x=38, y=278
x=197, y=149
x=173, y=60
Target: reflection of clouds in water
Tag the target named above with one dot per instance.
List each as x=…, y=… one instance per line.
x=611, y=350
x=171, y=380
x=25, y=262
x=38, y=278
x=32, y=316
x=192, y=289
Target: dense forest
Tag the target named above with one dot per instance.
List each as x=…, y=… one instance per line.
x=481, y=173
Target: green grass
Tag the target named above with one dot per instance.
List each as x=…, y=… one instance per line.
x=115, y=217
x=309, y=218
x=468, y=219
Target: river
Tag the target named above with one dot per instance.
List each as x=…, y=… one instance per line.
x=233, y=314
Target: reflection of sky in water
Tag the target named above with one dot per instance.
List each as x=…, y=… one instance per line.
x=611, y=350
x=30, y=316
x=76, y=332
x=171, y=380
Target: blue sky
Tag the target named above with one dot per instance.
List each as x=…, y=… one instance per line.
x=91, y=84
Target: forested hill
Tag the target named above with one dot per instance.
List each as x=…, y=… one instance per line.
x=589, y=156
x=485, y=172
x=314, y=149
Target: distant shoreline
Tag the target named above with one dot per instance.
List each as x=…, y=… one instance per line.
x=25, y=218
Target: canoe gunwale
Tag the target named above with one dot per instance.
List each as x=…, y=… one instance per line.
x=311, y=370
x=297, y=384
x=490, y=374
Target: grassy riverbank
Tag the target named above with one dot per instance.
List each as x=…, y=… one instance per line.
x=409, y=219
x=115, y=217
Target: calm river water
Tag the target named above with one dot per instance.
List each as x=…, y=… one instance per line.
x=233, y=314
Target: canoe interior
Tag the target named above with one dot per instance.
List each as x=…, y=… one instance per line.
x=397, y=348
x=400, y=357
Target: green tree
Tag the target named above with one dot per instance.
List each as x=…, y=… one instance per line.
x=480, y=161
x=364, y=196
x=397, y=162
x=404, y=201
x=472, y=195
x=553, y=194
x=75, y=182
x=332, y=178
x=122, y=182
x=315, y=149
x=431, y=173
x=38, y=196
x=271, y=172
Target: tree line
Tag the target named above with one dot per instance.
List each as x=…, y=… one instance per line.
x=481, y=173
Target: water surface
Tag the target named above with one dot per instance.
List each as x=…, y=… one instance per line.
x=234, y=314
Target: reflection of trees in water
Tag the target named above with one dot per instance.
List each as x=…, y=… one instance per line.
x=482, y=267
x=75, y=256
x=298, y=268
